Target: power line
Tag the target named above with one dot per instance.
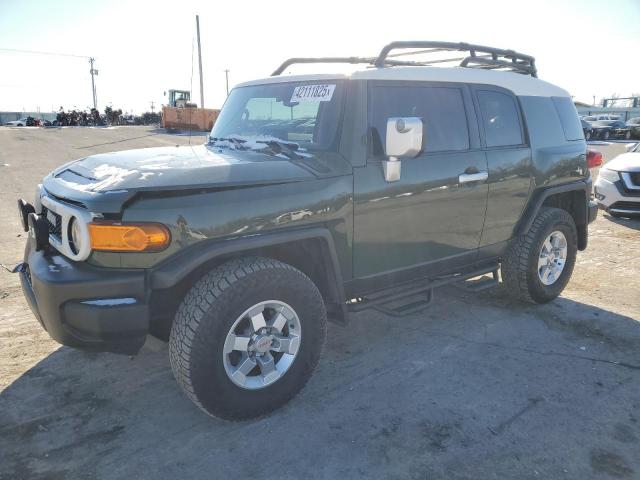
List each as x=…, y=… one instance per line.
x=36, y=52
x=92, y=71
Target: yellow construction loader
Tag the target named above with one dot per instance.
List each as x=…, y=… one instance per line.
x=181, y=114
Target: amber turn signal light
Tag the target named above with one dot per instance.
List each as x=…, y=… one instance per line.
x=128, y=237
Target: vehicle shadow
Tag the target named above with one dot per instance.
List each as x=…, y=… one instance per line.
x=477, y=386
x=633, y=223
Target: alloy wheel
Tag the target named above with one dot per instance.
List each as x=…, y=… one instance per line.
x=262, y=344
x=552, y=258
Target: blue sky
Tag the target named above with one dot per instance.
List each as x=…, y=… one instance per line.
x=143, y=48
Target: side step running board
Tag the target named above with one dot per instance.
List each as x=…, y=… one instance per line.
x=412, y=297
x=480, y=284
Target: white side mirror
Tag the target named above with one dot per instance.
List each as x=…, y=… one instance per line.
x=404, y=139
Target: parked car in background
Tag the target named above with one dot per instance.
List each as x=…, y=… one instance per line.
x=617, y=189
x=587, y=129
x=601, y=116
x=634, y=126
x=605, y=129
x=17, y=123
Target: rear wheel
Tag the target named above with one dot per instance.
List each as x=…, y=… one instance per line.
x=539, y=264
x=247, y=337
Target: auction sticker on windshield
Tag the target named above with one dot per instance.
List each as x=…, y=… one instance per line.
x=313, y=93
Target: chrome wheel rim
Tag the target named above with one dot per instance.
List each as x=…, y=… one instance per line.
x=552, y=258
x=262, y=344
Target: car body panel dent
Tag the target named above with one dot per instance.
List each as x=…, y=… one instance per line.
x=195, y=218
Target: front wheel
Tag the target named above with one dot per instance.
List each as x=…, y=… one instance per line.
x=539, y=264
x=606, y=135
x=247, y=337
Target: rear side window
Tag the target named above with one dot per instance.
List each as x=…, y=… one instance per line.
x=568, y=118
x=500, y=119
x=440, y=108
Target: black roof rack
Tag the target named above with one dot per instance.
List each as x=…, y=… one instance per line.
x=352, y=60
x=477, y=56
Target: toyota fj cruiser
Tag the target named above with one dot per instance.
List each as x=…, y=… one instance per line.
x=314, y=196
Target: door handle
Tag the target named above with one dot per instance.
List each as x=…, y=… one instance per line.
x=473, y=177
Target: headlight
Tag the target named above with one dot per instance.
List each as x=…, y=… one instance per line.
x=128, y=237
x=608, y=175
x=75, y=235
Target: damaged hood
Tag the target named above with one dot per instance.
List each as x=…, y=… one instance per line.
x=103, y=182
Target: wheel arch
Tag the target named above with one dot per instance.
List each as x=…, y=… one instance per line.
x=309, y=250
x=572, y=197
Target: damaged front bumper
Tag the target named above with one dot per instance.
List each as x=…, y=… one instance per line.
x=83, y=306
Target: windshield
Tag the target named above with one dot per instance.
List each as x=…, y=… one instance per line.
x=292, y=117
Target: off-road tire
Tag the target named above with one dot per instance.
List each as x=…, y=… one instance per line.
x=520, y=265
x=207, y=313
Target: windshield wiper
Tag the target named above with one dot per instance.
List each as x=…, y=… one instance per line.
x=284, y=148
x=271, y=146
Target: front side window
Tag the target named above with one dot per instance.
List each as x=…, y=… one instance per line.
x=500, y=119
x=440, y=108
x=300, y=116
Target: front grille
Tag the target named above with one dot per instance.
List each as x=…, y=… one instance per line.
x=54, y=221
x=635, y=206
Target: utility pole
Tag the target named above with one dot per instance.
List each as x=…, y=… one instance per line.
x=93, y=72
x=200, y=62
x=226, y=74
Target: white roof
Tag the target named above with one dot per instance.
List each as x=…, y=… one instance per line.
x=519, y=84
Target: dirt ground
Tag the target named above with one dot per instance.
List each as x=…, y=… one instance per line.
x=476, y=387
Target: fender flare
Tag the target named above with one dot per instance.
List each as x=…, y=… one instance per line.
x=178, y=267
x=537, y=200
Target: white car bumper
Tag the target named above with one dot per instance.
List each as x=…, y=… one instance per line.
x=613, y=197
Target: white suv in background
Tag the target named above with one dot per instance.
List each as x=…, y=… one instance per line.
x=617, y=189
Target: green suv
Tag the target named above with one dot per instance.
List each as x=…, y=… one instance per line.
x=314, y=196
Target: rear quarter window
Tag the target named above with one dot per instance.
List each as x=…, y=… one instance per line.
x=568, y=118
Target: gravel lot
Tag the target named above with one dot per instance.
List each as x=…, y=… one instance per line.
x=476, y=387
